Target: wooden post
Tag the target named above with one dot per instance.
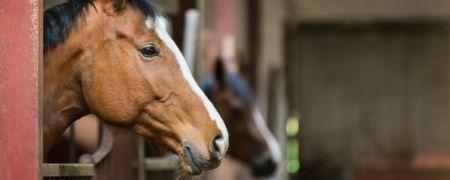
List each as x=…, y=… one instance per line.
x=20, y=65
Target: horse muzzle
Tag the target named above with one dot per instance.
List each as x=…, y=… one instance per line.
x=263, y=166
x=197, y=162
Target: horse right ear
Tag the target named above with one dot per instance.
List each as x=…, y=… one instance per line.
x=220, y=73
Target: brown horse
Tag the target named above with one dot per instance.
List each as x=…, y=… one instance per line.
x=114, y=59
x=251, y=141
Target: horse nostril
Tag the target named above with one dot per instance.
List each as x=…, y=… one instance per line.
x=270, y=164
x=218, y=145
x=264, y=166
x=217, y=151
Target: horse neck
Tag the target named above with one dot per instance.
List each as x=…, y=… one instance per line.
x=63, y=102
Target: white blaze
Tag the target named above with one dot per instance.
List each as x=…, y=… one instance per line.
x=275, y=149
x=160, y=29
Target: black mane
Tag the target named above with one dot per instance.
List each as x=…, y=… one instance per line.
x=60, y=19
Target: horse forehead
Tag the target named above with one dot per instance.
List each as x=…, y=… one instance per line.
x=234, y=81
x=240, y=89
x=156, y=22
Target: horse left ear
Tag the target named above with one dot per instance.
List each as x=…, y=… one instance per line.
x=220, y=73
x=112, y=7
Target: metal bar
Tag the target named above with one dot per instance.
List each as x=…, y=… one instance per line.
x=68, y=170
x=72, y=147
x=170, y=162
x=192, y=17
x=106, y=145
x=141, y=158
x=20, y=61
x=101, y=128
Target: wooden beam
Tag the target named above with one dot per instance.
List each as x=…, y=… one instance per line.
x=68, y=170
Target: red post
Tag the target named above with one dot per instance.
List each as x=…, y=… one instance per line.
x=20, y=59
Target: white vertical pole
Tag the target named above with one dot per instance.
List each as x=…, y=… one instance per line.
x=190, y=37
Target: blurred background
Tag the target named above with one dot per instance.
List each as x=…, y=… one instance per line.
x=351, y=89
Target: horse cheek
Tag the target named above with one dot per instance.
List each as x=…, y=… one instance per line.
x=110, y=100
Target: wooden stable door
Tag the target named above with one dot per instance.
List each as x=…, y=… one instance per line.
x=371, y=94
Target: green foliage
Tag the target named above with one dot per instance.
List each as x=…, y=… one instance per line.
x=292, y=126
x=292, y=148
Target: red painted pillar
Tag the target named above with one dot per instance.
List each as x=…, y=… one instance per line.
x=20, y=59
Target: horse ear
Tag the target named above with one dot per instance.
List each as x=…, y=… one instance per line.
x=220, y=73
x=111, y=7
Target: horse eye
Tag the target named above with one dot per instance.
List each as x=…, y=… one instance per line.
x=149, y=51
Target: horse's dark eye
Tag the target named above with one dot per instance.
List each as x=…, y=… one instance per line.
x=149, y=51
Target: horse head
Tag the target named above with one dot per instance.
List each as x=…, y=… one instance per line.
x=114, y=58
x=251, y=140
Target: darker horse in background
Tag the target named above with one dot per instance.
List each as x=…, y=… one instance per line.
x=114, y=59
x=251, y=142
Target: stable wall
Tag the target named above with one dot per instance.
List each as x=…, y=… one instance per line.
x=370, y=94
x=368, y=10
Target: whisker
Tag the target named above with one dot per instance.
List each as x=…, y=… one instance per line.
x=181, y=175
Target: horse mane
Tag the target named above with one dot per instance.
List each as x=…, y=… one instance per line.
x=235, y=82
x=60, y=19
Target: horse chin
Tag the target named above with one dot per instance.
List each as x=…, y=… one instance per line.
x=193, y=162
x=190, y=169
x=188, y=164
